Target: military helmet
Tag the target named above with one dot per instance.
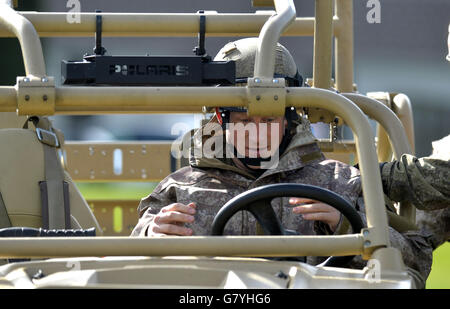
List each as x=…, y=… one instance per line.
x=243, y=53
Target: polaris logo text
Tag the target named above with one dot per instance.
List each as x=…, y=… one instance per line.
x=155, y=70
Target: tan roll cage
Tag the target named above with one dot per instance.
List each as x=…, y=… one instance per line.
x=27, y=97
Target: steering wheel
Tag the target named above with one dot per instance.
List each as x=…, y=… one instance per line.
x=257, y=202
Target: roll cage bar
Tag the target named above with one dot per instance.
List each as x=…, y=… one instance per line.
x=372, y=242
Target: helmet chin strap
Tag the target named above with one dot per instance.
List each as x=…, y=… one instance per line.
x=251, y=161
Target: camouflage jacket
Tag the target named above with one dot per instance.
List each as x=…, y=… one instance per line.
x=435, y=219
x=210, y=183
x=425, y=182
x=436, y=223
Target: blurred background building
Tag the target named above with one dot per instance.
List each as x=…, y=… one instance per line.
x=405, y=53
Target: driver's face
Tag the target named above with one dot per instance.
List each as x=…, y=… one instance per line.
x=255, y=136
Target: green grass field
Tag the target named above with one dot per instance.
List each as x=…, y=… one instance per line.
x=440, y=273
x=115, y=191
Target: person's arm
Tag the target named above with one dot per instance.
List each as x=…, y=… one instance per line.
x=170, y=220
x=413, y=244
x=425, y=182
x=160, y=215
x=149, y=207
x=313, y=210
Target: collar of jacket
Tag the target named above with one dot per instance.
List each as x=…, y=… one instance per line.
x=302, y=150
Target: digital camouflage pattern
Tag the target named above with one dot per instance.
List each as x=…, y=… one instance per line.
x=436, y=223
x=436, y=218
x=210, y=183
x=425, y=182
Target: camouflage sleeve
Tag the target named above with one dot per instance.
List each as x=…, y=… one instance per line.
x=415, y=249
x=414, y=245
x=425, y=182
x=435, y=222
x=150, y=206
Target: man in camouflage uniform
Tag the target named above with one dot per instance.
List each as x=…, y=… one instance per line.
x=185, y=202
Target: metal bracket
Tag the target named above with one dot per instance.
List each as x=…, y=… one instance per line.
x=35, y=95
x=47, y=137
x=98, y=49
x=200, y=49
x=370, y=243
x=266, y=96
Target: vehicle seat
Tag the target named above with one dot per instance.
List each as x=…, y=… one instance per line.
x=22, y=168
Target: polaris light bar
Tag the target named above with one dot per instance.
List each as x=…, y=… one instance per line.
x=147, y=70
x=195, y=70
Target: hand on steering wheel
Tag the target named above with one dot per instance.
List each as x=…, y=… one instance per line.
x=257, y=202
